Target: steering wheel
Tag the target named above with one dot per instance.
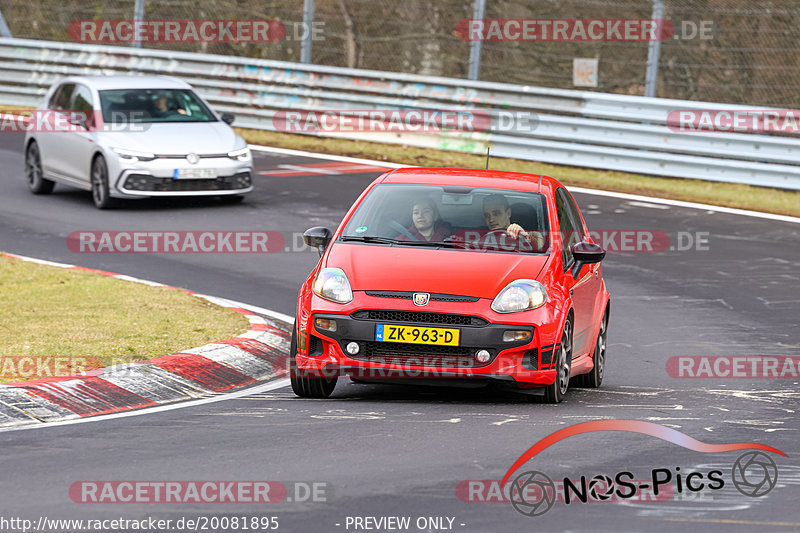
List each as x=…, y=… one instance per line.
x=507, y=235
x=490, y=232
x=399, y=228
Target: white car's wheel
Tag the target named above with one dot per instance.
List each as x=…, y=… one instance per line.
x=33, y=171
x=100, y=196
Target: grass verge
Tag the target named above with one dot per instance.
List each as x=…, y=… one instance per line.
x=56, y=321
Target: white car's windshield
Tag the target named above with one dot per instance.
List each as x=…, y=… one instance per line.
x=465, y=218
x=153, y=105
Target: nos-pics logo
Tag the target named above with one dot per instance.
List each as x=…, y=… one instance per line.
x=533, y=493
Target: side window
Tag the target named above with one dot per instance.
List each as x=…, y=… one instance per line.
x=567, y=229
x=61, y=98
x=82, y=100
x=569, y=220
x=574, y=213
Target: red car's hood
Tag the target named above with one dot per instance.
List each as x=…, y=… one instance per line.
x=401, y=268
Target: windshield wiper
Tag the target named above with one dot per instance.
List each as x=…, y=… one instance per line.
x=437, y=244
x=368, y=238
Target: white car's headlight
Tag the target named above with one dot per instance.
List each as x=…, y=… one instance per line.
x=520, y=295
x=242, y=154
x=133, y=156
x=332, y=284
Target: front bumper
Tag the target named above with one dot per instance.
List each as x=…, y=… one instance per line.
x=156, y=178
x=526, y=363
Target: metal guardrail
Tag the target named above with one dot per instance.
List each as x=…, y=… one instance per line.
x=578, y=128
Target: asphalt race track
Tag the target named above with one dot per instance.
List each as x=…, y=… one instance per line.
x=402, y=451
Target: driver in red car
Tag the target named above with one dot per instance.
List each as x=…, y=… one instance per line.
x=497, y=214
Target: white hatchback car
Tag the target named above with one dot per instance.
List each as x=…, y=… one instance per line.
x=142, y=136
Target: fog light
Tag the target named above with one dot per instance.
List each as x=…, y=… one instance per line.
x=512, y=335
x=483, y=356
x=352, y=348
x=325, y=323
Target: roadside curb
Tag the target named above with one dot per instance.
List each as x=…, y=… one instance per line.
x=256, y=356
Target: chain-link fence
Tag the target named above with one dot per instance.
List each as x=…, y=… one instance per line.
x=733, y=51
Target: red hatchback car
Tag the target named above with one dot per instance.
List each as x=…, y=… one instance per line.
x=454, y=275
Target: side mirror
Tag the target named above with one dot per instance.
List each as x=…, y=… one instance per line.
x=80, y=119
x=317, y=237
x=586, y=253
x=227, y=118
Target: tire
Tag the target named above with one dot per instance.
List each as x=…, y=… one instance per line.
x=99, y=178
x=305, y=384
x=594, y=378
x=555, y=393
x=33, y=171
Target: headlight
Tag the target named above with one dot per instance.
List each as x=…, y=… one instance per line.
x=332, y=284
x=520, y=295
x=133, y=156
x=240, y=155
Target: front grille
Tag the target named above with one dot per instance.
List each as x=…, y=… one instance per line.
x=147, y=183
x=418, y=317
x=402, y=354
x=434, y=297
x=183, y=156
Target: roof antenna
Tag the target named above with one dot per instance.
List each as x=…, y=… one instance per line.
x=487, y=158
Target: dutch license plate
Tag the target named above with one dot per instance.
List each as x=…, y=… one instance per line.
x=194, y=173
x=417, y=335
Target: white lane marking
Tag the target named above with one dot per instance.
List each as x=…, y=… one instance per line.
x=224, y=302
x=504, y=421
x=292, y=170
x=41, y=261
x=310, y=170
x=690, y=205
x=138, y=280
x=161, y=408
x=596, y=192
x=345, y=159
x=651, y=206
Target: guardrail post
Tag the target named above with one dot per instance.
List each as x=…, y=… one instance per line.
x=4, y=31
x=476, y=45
x=138, y=14
x=308, y=23
x=654, y=52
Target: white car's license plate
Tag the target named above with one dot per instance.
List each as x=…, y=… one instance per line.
x=194, y=173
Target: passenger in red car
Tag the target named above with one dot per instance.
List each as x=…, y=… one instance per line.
x=427, y=224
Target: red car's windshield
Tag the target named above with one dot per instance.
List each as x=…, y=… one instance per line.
x=466, y=218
